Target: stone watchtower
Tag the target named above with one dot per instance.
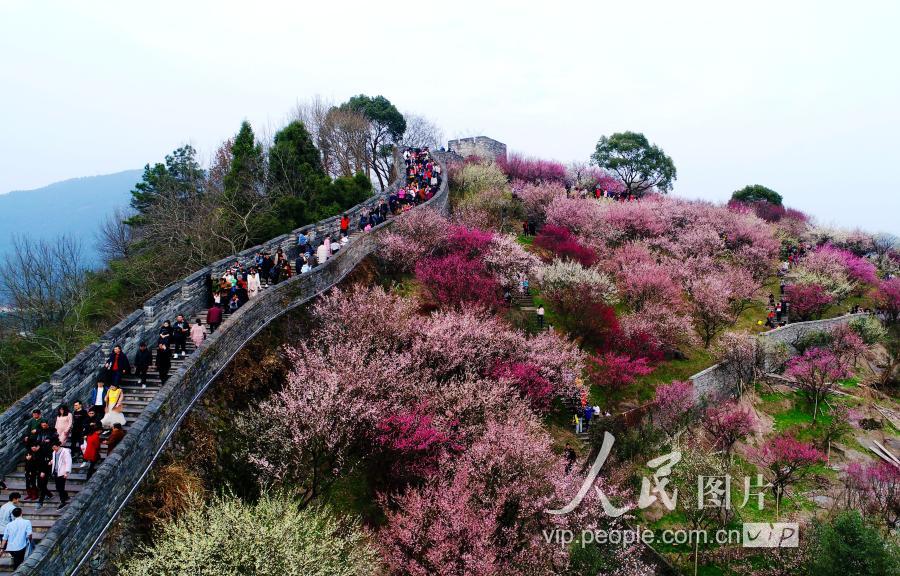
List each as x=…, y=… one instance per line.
x=478, y=146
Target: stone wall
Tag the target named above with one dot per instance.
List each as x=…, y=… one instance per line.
x=72, y=538
x=713, y=383
x=478, y=146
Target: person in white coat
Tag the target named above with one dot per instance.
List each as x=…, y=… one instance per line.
x=60, y=468
x=253, y=283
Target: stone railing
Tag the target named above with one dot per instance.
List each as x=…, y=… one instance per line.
x=72, y=538
x=713, y=383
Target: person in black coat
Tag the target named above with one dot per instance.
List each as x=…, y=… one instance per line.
x=180, y=331
x=163, y=362
x=79, y=426
x=143, y=358
x=116, y=366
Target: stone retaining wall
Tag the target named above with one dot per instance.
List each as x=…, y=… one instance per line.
x=92, y=511
x=713, y=383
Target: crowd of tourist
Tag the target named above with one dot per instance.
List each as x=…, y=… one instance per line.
x=51, y=444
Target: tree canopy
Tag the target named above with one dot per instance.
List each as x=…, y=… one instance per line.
x=757, y=193
x=180, y=176
x=641, y=166
x=386, y=128
x=295, y=167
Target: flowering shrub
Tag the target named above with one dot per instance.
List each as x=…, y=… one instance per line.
x=413, y=235
x=287, y=539
x=887, y=298
x=469, y=242
x=807, y=301
x=673, y=405
x=474, y=178
x=816, y=373
x=727, y=425
x=562, y=277
x=532, y=170
x=474, y=522
x=787, y=460
x=528, y=379
x=536, y=198
x=616, y=371
x=412, y=446
x=874, y=488
x=660, y=328
x=560, y=241
x=506, y=259
x=454, y=279
x=583, y=217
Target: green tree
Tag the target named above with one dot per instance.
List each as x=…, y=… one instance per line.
x=180, y=176
x=756, y=193
x=386, y=128
x=274, y=536
x=295, y=167
x=245, y=176
x=846, y=546
x=641, y=166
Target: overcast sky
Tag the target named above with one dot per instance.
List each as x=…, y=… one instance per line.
x=803, y=97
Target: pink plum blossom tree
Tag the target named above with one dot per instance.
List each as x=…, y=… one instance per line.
x=816, y=373
x=807, y=301
x=455, y=280
x=786, y=460
x=728, y=424
x=673, y=405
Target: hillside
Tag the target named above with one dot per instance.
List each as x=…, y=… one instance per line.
x=73, y=207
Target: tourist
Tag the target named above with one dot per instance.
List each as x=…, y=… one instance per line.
x=63, y=423
x=42, y=466
x=143, y=358
x=165, y=333
x=233, y=306
x=578, y=424
x=34, y=424
x=540, y=315
x=345, y=224
x=33, y=467
x=253, y=284
x=198, y=334
x=322, y=254
x=79, y=425
x=163, y=362
x=6, y=510
x=115, y=436
x=45, y=437
x=588, y=414
x=17, y=538
x=115, y=403
x=116, y=365
x=92, y=449
x=214, y=318
x=180, y=332
x=60, y=468
x=97, y=397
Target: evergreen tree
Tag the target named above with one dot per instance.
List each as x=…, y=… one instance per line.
x=295, y=167
x=180, y=176
x=246, y=174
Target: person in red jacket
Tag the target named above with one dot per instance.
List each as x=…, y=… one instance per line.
x=214, y=318
x=92, y=448
x=345, y=224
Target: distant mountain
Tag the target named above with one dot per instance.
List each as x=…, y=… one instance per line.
x=74, y=207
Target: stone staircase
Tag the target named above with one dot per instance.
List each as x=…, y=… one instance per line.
x=137, y=397
x=525, y=303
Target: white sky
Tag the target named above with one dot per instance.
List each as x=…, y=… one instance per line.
x=800, y=96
